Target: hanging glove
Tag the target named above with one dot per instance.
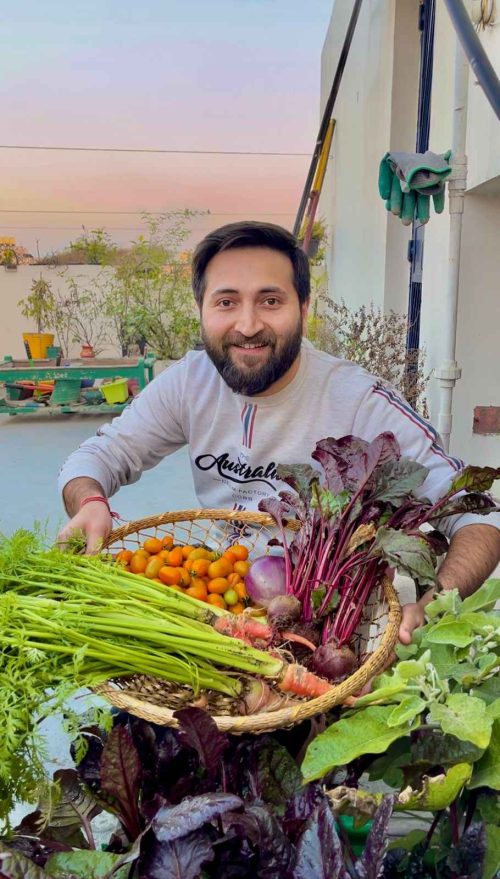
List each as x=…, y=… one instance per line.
x=408, y=180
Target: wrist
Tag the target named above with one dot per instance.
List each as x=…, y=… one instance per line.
x=98, y=499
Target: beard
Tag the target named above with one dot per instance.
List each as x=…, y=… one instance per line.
x=254, y=379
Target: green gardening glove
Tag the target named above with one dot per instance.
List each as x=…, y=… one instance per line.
x=407, y=181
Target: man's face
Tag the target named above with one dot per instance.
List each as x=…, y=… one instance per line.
x=251, y=319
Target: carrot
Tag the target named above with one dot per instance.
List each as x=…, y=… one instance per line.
x=299, y=639
x=300, y=682
x=245, y=628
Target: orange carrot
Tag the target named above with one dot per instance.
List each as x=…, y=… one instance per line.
x=300, y=682
x=245, y=628
x=299, y=639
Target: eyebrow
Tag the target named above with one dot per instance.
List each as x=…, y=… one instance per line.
x=267, y=289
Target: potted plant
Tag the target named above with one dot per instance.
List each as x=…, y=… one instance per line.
x=8, y=259
x=39, y=306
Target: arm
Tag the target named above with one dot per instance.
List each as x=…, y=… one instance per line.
x=474, y=539
x=473, y=554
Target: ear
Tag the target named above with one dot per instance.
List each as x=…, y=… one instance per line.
x=304, y=311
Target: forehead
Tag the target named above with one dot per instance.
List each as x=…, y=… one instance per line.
x=249, y=268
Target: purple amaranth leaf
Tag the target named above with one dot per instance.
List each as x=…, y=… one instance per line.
x=278, y=777
x=437, y=541
x=319, y=850
x=396, y=479
x=333, y=479
x=199, y=731
x=299, y=477
x=181, y=859
x=121, y=777
x=369, y=866
x=300, y=808
x=173, y=822
x=465, y=503
x=265, y=832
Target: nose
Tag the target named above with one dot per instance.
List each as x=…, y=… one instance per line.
x=248, y=321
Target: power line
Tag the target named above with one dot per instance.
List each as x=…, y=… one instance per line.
x=166, y=152
x=140, y=213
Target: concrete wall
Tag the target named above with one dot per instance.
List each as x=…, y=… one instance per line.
x=15, y=285
x=376, y=111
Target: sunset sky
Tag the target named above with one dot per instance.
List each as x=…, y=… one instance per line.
x=233, y=75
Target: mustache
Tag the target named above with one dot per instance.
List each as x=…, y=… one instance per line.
x=258, y=339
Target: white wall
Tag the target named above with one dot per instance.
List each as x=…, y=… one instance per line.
x=15, y=285
x=376, y=111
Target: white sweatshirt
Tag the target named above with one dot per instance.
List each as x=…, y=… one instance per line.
x=236, y=442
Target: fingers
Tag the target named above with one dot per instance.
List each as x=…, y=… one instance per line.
x=93, y=523
x=413, y=617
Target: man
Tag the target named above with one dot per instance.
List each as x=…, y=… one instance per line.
x=258, y=396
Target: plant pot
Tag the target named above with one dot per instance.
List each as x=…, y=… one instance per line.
x=37, y=343
x=87, y=351
x=54, y=351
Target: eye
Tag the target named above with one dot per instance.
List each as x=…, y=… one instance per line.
x=224, y=303
x=271, y=300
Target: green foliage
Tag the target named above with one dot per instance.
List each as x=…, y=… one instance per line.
x=367, y=336
x=95, y=246
x=435, y=718
x=40, y=305
x=149, y=297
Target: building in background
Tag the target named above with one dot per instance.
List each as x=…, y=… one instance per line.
x=376, y=111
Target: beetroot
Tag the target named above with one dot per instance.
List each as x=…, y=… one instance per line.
x=333, y=663
x=283, y=611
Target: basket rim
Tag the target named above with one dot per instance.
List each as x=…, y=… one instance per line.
x=270, y=720
x=170, y=518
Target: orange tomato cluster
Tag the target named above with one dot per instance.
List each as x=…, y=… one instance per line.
x=194, y=570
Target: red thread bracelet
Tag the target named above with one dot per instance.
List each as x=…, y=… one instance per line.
x=101, y=499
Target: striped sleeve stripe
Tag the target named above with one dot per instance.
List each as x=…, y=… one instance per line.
x=429, y=431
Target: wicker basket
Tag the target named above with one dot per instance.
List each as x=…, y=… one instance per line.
x=157, y=701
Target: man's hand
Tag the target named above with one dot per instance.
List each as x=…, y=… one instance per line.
x=413, y=617
x=473, y=554
x=93, y=519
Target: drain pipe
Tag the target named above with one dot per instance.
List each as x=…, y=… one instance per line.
x=449, y=373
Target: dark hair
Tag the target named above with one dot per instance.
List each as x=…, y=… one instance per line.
x=251, y=233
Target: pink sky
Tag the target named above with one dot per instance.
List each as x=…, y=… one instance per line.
x=244, y=77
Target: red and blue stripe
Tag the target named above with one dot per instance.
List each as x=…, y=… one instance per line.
x=430, y=432
x=248, y=414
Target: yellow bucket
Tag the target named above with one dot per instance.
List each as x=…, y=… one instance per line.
x=38, y=344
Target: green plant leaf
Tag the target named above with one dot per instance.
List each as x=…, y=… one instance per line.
x=363, y=733
x=410, y=555
x=475, y=479
x=448, y=601
x=484, y=597
x=409, y=841
x=493, y=710
x=488, y=806
x=438, y=791
x=455, y=632
x=487, y=769
x=438, y=749
x=465, y=717
x=406, y=711
x=388, y=693
x=491, y=864
x=85, y=865
x=413, y=668
x=14, y=865
x=489, y=690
